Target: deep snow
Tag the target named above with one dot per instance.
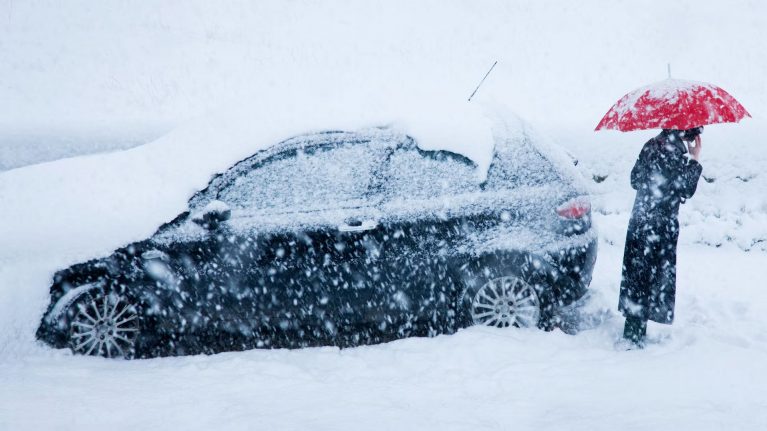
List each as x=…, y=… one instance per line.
x=704, y=373
x=245, y=72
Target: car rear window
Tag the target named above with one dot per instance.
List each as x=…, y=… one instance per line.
x=517, y=163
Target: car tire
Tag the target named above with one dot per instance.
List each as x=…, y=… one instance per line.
x=104, y=324
x=502, y=302
x=524, y=280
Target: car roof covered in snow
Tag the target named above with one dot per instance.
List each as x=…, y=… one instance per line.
x=142, y=188
x=381, y=136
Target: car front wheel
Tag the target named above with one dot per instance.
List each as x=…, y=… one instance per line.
x=104, y=324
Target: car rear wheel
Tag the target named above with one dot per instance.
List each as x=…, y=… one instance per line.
x=104, y=324
x=506, y=301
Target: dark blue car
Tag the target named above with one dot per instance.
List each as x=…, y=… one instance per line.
x=338, y=238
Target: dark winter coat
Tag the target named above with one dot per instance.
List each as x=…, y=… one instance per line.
x=663, y=178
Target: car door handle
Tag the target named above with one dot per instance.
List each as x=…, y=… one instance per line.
x=357, y=225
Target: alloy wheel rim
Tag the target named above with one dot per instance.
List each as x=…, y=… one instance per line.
x=506, y=301
x=105, y=325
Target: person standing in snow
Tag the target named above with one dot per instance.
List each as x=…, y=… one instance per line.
x=663, y=178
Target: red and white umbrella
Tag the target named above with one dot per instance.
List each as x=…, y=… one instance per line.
x=673, y=104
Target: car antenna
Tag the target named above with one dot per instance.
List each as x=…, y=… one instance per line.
x=483, y=80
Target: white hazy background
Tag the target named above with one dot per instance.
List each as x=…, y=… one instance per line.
x=229, y=77
x=89, y=76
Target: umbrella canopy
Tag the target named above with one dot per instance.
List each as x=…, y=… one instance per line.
x=673, y=104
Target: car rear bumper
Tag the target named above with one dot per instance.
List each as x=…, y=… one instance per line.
x=574, y=266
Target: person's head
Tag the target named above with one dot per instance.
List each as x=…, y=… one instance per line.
x=688, y=135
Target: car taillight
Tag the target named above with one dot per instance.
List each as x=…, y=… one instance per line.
x=575, y=208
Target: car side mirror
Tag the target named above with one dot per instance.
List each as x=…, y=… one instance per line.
x=212, y=215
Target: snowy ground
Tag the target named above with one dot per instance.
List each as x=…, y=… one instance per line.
x=107, y=76
x=704, y=373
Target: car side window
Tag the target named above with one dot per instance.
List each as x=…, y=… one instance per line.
x=415, y=174
x=317, y=178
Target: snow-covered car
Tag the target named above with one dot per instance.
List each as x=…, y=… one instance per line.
x=339, y=238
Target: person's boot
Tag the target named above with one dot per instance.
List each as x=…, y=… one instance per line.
x=635, y=330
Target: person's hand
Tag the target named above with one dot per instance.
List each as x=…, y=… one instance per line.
x=695, y=149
